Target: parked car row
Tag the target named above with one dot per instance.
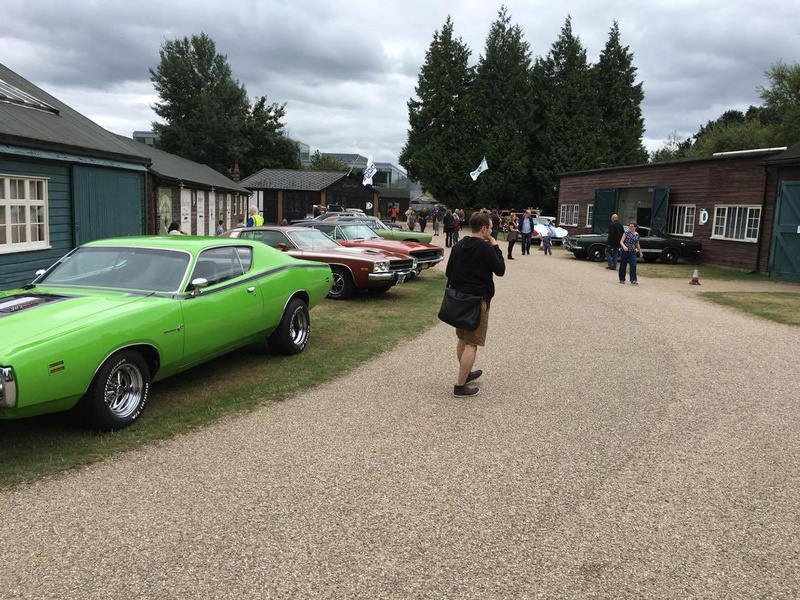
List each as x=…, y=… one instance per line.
x=94, y=330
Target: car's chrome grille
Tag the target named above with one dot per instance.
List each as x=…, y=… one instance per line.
x=400, y=265
x=427, y=255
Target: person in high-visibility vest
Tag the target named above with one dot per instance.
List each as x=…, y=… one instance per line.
x=255, y=220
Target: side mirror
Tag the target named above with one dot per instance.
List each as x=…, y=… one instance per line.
x=198, y=284
x=282, y=247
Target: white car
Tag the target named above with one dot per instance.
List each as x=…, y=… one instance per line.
x=545, y=225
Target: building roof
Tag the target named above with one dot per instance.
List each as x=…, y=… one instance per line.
x=179, y=169
x=790, y=155
x=32, y=118
x=765, y=152
x=292, y=179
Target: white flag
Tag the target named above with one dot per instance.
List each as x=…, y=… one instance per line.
x=481, y=168
x=369, y=171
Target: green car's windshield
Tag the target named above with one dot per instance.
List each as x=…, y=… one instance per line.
x=144, y=269
x=375, y=224
x=355, y=232
x=312, y=239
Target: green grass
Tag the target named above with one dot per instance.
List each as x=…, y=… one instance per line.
x=781, y=307
x=683, y=270
x=344, y=334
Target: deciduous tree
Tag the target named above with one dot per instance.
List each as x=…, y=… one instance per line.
x=324, y=162
x=204, y=108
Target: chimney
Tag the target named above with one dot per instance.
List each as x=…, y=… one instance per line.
x=236, y=172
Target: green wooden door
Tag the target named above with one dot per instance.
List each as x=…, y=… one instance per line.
x=785, y=259
x=658, y=218
x=605, y=205
x=108, y=203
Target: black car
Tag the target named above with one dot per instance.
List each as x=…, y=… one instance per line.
x=655, y=244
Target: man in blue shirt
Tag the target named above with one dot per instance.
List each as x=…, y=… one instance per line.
x=526, y=232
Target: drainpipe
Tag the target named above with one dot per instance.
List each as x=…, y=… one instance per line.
x=760, y=228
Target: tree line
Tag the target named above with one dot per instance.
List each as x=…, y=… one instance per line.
x=531, y=118
x=536, y=118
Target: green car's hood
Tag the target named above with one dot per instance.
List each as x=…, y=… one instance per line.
x=33, y=316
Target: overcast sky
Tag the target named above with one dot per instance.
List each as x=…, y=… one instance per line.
x=346, y=69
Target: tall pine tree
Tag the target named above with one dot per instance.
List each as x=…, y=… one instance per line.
x=620, y=99
x=571, y=137
x=434, y=152
x=500, y=112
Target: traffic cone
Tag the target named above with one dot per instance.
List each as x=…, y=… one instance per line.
x=695, y=277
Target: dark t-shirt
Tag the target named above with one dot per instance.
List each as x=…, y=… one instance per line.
x=471, y=265
x=615, y=231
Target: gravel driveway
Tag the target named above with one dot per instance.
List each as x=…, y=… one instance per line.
x=628, y=442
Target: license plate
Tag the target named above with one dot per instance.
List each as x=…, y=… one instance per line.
x=400, y=279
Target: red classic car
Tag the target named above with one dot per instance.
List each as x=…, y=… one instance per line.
x=353, y=268
x=358, y=235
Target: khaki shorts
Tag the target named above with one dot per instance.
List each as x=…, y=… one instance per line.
x=476, y=337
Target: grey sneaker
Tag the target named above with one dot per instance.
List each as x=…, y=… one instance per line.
x=474, y=375
x=465, y=390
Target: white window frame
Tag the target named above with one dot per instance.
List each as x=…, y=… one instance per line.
x=748, y=217
x=572, y=213
x=684, y=226
x=589, y=214
x=29, y=229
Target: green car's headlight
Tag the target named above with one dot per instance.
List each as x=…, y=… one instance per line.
x=381, y=266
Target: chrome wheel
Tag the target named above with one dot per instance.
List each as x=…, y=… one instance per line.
x=299, y=327
x=124, y=389
x=291, y=335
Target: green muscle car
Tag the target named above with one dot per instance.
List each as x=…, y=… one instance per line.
x=112, y=316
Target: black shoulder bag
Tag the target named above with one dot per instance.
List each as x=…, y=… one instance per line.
x=462, y=311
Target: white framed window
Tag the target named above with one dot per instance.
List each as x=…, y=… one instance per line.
x=738, y=223
x=23, y=214
x=680, y=219
x=569, y=215
x=589, y=215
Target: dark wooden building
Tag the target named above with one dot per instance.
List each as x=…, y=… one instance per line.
x=726, y=202
x=292, y=194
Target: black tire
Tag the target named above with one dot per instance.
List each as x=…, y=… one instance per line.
x=597, y=253
x=649, y=258
x=292, y=333
x=670, y=256
x=343, y=285
x=118, y=393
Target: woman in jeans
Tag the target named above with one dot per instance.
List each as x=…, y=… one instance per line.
x=512, y=234
x=630, y=250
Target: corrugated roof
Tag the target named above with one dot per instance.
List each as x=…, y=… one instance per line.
x=292, y=179
x=66, y=131
x=177, y=168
